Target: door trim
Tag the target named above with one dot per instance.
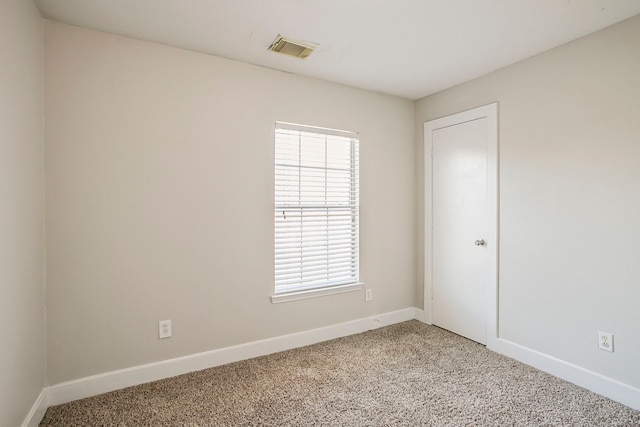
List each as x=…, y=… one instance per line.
x=490, y=112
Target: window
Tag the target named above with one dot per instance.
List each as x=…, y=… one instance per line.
x=316, y=209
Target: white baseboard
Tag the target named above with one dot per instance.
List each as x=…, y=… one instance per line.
x=109, y=381
x=37, y=410
x=422, y=316
x=605, y=386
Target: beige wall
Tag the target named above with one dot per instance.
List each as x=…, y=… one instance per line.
x=22, y=351
x=159, y=200
x=569, y=196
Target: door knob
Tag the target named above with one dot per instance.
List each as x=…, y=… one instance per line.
x=480, y=242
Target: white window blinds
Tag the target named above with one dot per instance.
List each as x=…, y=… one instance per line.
x=316, y=208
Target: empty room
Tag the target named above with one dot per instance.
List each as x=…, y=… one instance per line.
x=300, y=213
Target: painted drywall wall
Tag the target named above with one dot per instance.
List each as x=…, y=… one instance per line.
x=159, y=173
x=569, y=196
x=22, y=352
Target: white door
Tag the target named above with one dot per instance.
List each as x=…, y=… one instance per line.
x=463, y=240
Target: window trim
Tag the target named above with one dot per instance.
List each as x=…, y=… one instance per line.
x=328, y=288
x=316, y=292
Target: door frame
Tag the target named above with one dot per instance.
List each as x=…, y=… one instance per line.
x=490, y=112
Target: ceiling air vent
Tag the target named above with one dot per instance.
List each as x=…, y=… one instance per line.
x=288, y=46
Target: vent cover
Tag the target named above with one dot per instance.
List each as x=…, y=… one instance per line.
x=292, y=47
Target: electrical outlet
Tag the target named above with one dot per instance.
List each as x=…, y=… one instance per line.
x=605, y=341
x=368, y=294
x=164, y=329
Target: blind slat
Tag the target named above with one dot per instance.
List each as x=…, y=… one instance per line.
x=287, y=253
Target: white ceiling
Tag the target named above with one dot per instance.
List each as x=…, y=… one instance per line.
x=410, y=48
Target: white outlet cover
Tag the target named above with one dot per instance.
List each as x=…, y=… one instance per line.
x=368, y=294
x=605, y=341
x=164, y=329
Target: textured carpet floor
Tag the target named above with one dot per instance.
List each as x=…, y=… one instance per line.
x=408, y=374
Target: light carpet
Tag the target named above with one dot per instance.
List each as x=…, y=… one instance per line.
x=409, y=374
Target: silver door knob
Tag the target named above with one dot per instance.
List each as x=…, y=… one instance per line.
x=480, y=242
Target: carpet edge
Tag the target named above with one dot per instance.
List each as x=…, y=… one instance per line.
x=114, y=380
x=109, y=381
x=585, y=378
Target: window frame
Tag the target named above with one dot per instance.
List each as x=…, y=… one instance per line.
x=284, y=138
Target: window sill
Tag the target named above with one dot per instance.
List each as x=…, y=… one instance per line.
x=313, y=293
